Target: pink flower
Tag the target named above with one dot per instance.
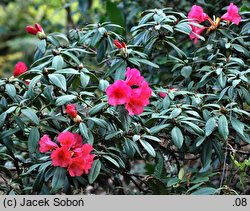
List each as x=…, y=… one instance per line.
x=86, y=149
x=46, y=144
x=133, y=77
x=82, y=161
x=232, y=14
x=61, y=157
x=135, y=105
x=34, y=30
x=71, y=110
x=196, y=31
x=196, y=14
x=118, y=93
x=66, y=139
x=77, y=141
x=76, y=166
x=20, y=68
x=162, y=94
x=88, y=162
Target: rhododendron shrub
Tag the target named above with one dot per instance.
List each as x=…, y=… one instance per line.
x=139, y=111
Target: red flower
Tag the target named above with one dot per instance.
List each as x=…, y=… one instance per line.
x=196, y=14
x=34, y=30
x=88, y=162
x=66, y=139
x=119, y=45
x=162, y=94
x=61, y=157
x=232, y=14
x=135, y=105
x=196, y=31
x=20, y=68
x=77, y=141
x=118, y=93
x=133, y=77
x=76, y=166
x=71, y=110
x=46, y=144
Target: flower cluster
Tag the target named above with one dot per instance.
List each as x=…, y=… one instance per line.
x=19, y=69
x=71, y=153
x=196, y=15
x=134, y=92
x=71, y=111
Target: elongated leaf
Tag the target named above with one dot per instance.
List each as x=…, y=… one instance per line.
x=206, y=153
x=58, y=179
x=238, y=126
x=205, y=191
x=58, y=80
x=64, y=99
x=31, y=115
x=112, y=160
x=148, y=147
x=94, y=171
x=11, y=90
x=210, y=126
x=223, y=127
x=157, y=128
x=177, y=137
x=33, y=140
x=57, y=62
x=2, y=119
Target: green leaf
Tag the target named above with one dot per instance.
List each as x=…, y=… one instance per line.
x=124, y=118
x=31, y=115
x=11, y=90
x=94, y=171
x=114, y=13
x=177, y=137
x=58, y=80
x=205, y=191
x=84, y=130
x=159, y=167
x=238, y=126
x=199, y=140
x=112, y=160
x=101, y=50
x=147, y=146
x=157, y=128
x=223, y=127
x=2, y=119
x=129, y=148
x=58, y=179
x=103, y=85
x=175, y=112
x=186, y=71
x=64, y=99
x=153, y=138
x=33, y=140
x=57, y=62
x=97, y=108
x=195, y=127
x=99, y=122
x=210, y=126
x=206, y=153
x=84, y=79
x=67, y=71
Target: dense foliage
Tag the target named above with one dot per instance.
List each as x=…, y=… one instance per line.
x=77, y=121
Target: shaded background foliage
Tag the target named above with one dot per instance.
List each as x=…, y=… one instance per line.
x=195, y=140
